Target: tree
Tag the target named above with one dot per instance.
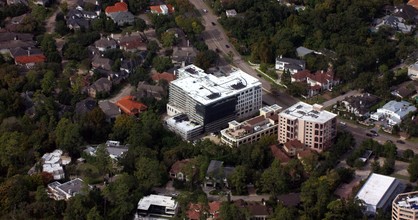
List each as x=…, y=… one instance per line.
x=286, y=78
x=206, y=59
x=149, y=173
x=48, y=82
x=122, y=126
x=140, y=25
x=161, y=64
x=231, y=212
x=13, y=151
x=94, y=214
x=68, y=136
x=413, y=169
x=103, y=161
x=408, y=154
x=168, y=39
x=238, y=180
x=274, y=179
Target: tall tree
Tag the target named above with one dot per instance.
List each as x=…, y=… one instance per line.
x=68, y=136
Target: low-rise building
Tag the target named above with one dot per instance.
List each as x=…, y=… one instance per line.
x=231, y=13
x=114, y=149
x=217, y=174
x=104, y=44
x=162, y=9
x=360, y=105
x=280, y=155
x=109, y=109
x=64, y=191
x=405, y=206
x=129, y=106
x=293, y=65
x=122, y=18
x=293, y=147
x=393, y=112
x=177, y=170
x=252, y=130
x=157, y=206
x=101, y=86
x=378, y=192
x=316, y=82
x=53, y=163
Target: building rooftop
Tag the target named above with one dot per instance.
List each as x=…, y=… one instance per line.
x=307, y=112
x=157, y=200
x=118, y=7
x=375, y=188
x=401, y=108
x=72, y=187
x=407, y=200
x=206, y=88
x=182, y=123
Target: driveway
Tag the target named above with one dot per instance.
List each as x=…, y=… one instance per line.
x=125, y=91
x=340, y=98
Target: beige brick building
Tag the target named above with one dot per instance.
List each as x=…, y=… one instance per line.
x=310, y=124
x=405, y=206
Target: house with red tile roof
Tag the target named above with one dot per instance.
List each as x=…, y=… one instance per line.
x=162, y=9
x=177, y=170
x=293, y=146
x=316, y=82
x=117, y=7
x=214, y=208
x=413, y=3
x=29, y=60
x=279, y=154
x=195, y=211
x=129, y=106
x=163, y=76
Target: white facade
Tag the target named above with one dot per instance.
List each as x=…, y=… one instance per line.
x=52, y=163
x=413, y=71
x=393, y=112
x=252, y=130
x=213, y=101
x=378, y=192
x=231, y=13
x=293, y=65
x=165, y=203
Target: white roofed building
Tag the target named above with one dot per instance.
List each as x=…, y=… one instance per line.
x=52, y=163
x=378, y=192
x=210, y=102
x=157, y=206
x=393, y=112
x=405, y=206
x=64, y=191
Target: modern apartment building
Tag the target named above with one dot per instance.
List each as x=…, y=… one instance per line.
x=405, y=206
x=253, y=129
x=206, y=103
x=310, y=124
x=153, y=206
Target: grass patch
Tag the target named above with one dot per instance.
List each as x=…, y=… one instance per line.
x=413, y=139
x=398, y=176
x=89, y=173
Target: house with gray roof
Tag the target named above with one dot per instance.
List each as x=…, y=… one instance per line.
x=99, y=62
x=104, y=44
x=303, y=51
x=360, y=105
x=145, y=90
x=183, y=55
x=397, y=23
x=217, y=174
x=85, y=106
x=64, y=191
x=109, y=109
x=293, y=65
x=114, y=148
x=122, y=18
x=102, y=85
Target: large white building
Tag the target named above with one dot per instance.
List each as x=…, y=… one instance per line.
x=310, y=124
x=393, y=112
x=157, y=206
x=378, y=192
x=253, y=129
x=201, y=102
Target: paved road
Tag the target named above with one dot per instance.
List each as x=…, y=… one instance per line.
x=340, y=98
x=216, y=38
x=359, y=134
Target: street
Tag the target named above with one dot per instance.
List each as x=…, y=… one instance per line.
x=216, y=39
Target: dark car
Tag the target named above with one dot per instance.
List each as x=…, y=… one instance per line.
x=400, y=142
x=373, y=131
x=227, y=46
x=369, y=135
x=213, y=23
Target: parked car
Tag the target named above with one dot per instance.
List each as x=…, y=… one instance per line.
x=369, y=135
x=400, y=142
x=213, y=23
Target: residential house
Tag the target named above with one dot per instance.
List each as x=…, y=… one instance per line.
x=395, y=22
x=177, y=170
x=64, y=191
x=78, y=24
x=316, y=82
x=360, y=105
x=117, y=7
x=303, y=51
x=104, y=44
x=78, y=18
x=407, y=12
x=214, y=209
x=29, y=60
x=130, y=65
x=12, y=40
x=129, y=106
x=109, y=109
x=278, y=154
x=217, y=174
x=406, y=89
x=181, y=38
x=99, y=62
x=122, y=18
x=293, y=65
x=114, y=149
x=168, y=77
x=195, y=211
x=183, y=55
x=393, y=112
x=256, y=210
x=85, y=106
x=413, y=3
x=132, y=43
x=289, y=200
x=413, y=71
x=53, y=163
x=144, y=90
x=305, y=154
x=42, y=2
x=18, y=19
x=162, y=9
x=231, y=13
x=292, y=147
x=101, y=86
x=15, y=2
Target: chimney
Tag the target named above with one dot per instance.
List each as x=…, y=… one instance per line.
x=15, y=38
x=317, y=107
x=29, y=51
